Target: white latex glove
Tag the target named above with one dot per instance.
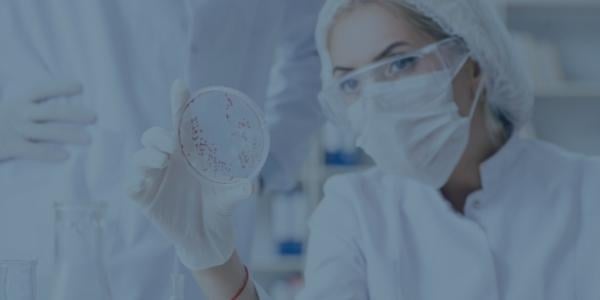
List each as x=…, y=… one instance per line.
x=35, y=126
x=194, y=214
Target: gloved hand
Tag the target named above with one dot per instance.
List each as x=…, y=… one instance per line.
x=194, y=214
x=35, y=126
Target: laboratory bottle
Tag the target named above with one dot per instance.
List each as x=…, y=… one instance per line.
x=79, y=264
x=18, y=279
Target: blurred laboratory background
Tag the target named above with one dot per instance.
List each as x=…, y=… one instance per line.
x=560, y=40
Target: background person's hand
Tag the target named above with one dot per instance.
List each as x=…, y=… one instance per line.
x=195, y=215
x=35, y=126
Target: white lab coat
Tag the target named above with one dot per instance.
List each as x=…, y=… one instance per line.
x=532, y=232
x=127, y=54
x=291, y=106
x=292, y=110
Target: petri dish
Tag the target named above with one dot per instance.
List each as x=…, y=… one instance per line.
x=222, y=136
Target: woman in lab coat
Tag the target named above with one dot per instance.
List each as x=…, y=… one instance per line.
x=458, y=206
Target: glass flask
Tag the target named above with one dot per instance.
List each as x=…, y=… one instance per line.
x=18, y=279
x=177, y=281
x=2, y=282
x=79, y=266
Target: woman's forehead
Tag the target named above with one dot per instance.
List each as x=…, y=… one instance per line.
x=360, y=34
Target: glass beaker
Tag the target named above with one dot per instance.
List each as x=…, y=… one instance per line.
x=2, y=282
x=79, y=266
x=18, y=279
x=176, y=287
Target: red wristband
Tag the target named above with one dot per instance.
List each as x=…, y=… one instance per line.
x=241, y=290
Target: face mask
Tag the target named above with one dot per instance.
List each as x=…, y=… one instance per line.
x=413, y=127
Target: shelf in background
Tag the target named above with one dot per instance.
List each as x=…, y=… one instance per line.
x=552, y=4
x=569, y=91
x=264, y=258
x=580, y=14
x=279, y=265
x=331, y=170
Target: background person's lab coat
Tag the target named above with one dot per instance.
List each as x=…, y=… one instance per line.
x=127, y=54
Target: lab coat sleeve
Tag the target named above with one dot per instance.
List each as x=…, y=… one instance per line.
x=588, y=260
x=335, y=267
x=21, y=64
x=7, y=45
x=292, y=111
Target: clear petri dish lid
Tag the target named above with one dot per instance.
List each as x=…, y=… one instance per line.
x=222, y=136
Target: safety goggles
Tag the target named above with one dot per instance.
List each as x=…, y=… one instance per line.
x=449, y=54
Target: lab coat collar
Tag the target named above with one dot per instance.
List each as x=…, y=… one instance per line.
x=501, y=165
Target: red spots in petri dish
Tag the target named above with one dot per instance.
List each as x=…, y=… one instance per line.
x=228, y=106
x=244, y=124
x=196, y=130
x=229, y=103
x=245, y=159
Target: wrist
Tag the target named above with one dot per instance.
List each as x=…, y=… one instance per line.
x=227, y=280
x=241, y=291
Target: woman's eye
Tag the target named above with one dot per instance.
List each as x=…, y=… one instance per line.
x=350, y=86
x=400, y=66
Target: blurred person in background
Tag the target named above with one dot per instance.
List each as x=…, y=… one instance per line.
x=81, y=80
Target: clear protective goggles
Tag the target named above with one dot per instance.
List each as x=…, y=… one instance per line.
x=448, y=54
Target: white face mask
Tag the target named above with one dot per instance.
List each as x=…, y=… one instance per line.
x=413, y=127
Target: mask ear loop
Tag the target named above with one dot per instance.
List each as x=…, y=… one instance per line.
x=461, y=65
x=478, y=95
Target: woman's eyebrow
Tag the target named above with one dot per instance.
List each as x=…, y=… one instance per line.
x=343, y=70
x=385, y=53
